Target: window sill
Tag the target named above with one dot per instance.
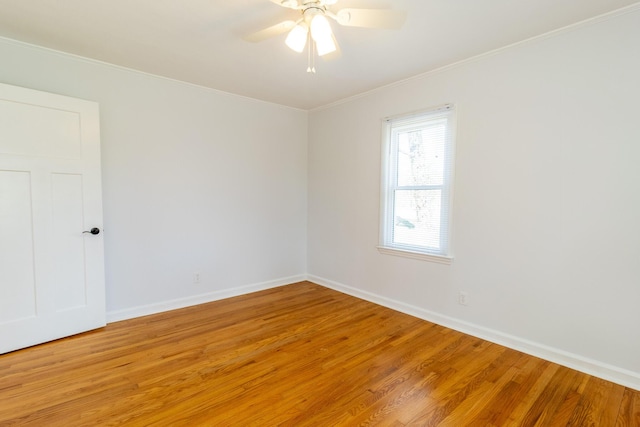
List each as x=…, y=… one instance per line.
x=440, y=259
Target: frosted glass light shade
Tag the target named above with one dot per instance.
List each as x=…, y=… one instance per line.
x=325, y=46
x=320, y=28
x=297, y=38
x=322, y=35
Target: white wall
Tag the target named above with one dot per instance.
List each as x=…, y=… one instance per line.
x=546, y=227
x=194, y=180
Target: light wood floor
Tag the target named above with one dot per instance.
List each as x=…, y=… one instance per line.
x=299, y=355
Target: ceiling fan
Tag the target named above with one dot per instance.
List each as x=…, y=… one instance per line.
x=313, y=29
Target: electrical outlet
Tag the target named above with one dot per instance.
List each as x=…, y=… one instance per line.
x=196, y=278
x=463, y=298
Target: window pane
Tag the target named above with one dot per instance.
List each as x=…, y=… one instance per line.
x=417, y=218
x=421, y=155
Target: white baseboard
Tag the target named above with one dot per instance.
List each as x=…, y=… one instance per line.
x=579, y=363
x=145, y=310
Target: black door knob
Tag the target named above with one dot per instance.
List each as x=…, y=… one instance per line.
x=93, y=231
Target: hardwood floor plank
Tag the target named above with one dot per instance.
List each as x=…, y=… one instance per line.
x=611, y=408
x=589, y=409
x=534, y=375
x=629, y=413
x=468, y=380
x=550, y=399
x=297, y=355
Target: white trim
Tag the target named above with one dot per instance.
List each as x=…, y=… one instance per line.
x=583, y=364
x=571, y=27
x=419, y=113
x=159, y=307
x=441, y=259
x=94, y=61
x=589, y=21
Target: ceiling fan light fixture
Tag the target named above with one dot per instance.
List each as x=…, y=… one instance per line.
x=314, y=31
x=297, y=37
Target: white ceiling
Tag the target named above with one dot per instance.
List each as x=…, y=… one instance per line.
x=200, y=41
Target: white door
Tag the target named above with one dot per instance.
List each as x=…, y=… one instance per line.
x=51, y=273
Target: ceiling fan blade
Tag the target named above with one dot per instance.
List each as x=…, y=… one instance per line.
x=291, y=4
x=269, y=32
x=371, y=18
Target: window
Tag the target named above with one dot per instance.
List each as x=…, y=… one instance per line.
x=417, y=162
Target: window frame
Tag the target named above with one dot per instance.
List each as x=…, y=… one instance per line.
x=391, y=126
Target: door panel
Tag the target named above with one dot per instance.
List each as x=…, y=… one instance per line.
x=57, y=133
x=17, y=294
x=51, y=274
x=68, y=244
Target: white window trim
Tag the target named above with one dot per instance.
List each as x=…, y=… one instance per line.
x=423, y=256
x=386, y=207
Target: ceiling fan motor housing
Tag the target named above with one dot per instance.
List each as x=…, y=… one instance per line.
x=313, y=10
